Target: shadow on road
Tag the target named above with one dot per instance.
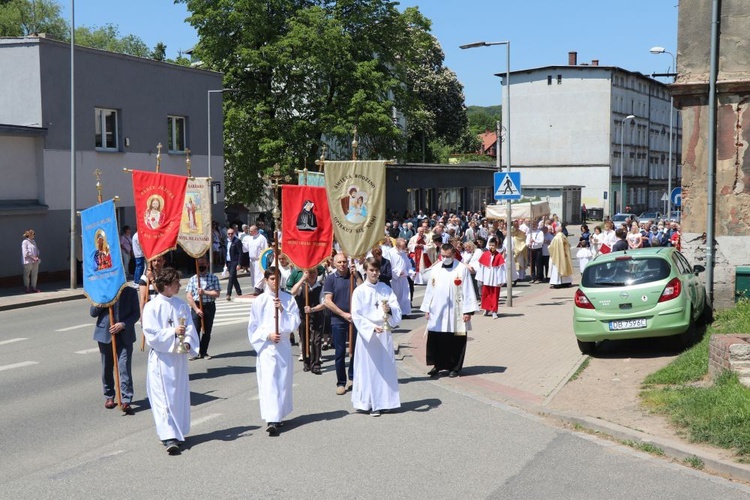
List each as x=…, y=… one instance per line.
x=314, y=417
x=482, y=370
x=420, y=405
x=649, y=347
x=221, y=435
x=236, y=354
x=220, y=372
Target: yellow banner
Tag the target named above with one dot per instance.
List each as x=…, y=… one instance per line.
x=356, y=197
x=195, y=227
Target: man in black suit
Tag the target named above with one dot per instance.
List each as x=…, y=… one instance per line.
x=126, y=313
x=234, y=252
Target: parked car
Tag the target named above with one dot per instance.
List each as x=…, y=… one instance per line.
x=620, y=218
x=652, y=216
x=649, y=292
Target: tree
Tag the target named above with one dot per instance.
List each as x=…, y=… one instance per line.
x=26, y=17
x=160, y=52
x=108, y=38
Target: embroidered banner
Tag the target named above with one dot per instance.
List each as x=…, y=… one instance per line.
x=195, y=227
x=103, y=272
x=159, y=200
x=356, y=197
x=307, y=232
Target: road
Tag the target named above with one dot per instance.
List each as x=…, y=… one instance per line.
x=58, y=441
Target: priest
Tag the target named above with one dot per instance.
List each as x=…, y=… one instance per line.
x=254, y=245
x=167, y=383
x=374, y=304
x=448, y=304
x=561, y=269
x=273, y=366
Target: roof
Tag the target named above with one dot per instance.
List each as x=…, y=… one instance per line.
x=7, y=129
x=489, y=139
x=583, y=67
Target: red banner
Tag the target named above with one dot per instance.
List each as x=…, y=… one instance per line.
x=306, y=228
x=159, y=199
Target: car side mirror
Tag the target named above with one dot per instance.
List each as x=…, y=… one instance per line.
x=697, y=269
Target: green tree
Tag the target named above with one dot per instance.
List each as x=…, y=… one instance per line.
x=26, y=17
x=483, y=118
x=160, y=52
x=108, y=38
x=305, y=69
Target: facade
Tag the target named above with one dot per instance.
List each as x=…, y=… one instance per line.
x=567, y=129
x=124, y=107
x=732, y=175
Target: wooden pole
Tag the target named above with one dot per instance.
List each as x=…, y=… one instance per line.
x=200, y=297
x=351, y=325
x=145, y=301
x=114, y=357
x=307, y=320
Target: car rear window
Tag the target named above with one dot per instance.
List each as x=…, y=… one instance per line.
x=625, y=272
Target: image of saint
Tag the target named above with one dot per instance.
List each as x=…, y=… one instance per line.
x=348, y=201
x=152, y=216
x=102, y=257
x=358, y=208
x=190, y=208
x=306, y=220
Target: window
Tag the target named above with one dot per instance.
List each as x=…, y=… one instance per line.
x=106, y=136
x=559, y=79
x=176, y=131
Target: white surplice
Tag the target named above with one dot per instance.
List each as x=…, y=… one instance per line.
x=441, y=298
x=167, y=376
x=273, y=364
x=376, y=387
x=254, y=246
x=400, y=266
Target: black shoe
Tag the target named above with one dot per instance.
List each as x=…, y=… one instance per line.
x=173, y=446
x=434, y=372
x=272, y=430
x=453, y=374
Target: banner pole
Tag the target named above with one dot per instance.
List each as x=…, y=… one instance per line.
x=118, y=393
x=307, y=321
x=200, y=297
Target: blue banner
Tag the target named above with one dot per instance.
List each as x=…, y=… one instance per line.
x=103, y=273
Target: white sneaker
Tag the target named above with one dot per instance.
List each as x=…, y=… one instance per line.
x=301, y=358
x=494, y=315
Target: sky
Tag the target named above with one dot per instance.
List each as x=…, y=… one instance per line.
x=541, y=32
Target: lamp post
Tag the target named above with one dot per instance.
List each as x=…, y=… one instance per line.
x=662, y=50
x=217, y=91
x=622, y=154
x=510, y=261
x=73, y=260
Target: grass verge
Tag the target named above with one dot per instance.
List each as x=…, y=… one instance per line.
x=580, y=369
x=717, y=415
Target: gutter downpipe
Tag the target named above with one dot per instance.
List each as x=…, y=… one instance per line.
x=712, y=105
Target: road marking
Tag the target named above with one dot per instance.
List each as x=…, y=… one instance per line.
x=18, y=365
x=11, y=341
x=201, y=420
x=88, y=351
x=73, y=328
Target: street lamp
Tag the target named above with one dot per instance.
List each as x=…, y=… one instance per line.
x=217, y=91
x=508, y=239
x=622, y=154
x=662, y=50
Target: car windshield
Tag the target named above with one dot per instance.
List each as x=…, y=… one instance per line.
x=625, y=272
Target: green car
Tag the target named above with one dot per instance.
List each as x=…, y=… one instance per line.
x=648, y=292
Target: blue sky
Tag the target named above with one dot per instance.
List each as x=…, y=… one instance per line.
x=541, y=32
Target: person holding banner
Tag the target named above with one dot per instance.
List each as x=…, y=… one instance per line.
x=448, y=304
x=307, y=292
x=374, y=304
x=126, y=314
x=202, y=291
x=165, y=319
x=270, y=339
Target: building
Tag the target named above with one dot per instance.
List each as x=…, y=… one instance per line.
x=731, y=179
x=568, y=124
x=124, y=107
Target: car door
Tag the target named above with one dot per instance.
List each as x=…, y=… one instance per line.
x=693, y=284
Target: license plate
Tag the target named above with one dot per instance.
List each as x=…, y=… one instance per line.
x=627, y=324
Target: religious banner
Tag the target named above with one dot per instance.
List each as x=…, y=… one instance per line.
x=103, y=272
x=307, y=232
x=195, y=228
x=311, y=178
x=356, y=198
x=159, y=201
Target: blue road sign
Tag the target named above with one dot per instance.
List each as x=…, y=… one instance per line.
x=676, y=197
x=507, y=185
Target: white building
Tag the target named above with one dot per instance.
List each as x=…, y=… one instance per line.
x=566, y=125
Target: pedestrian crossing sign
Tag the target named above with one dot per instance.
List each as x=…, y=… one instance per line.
x=507, y=185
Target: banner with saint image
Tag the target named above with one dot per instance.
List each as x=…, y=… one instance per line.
x=356, y=198
x=103, y=272
x=307, y=233
x=195, y=227
x=159, y=201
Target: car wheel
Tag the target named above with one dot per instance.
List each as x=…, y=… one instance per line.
x=706, y=316
x=586, y=347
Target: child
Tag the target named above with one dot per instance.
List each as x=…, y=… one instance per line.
x=584, y=254
x=168, y=385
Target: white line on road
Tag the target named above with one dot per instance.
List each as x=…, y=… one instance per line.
x=11, y=341
x=18, y=365
x=73, y=328
x=88, y=351
x=201, y=420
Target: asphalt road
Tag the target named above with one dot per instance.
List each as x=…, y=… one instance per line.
x=58, y=441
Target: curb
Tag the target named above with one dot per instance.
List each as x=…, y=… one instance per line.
x=42, y=301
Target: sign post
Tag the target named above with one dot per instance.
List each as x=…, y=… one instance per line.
x=508, y=187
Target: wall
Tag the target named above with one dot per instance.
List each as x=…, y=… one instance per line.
x=20, y=102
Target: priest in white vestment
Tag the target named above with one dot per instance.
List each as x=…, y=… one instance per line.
x=376, y=389
x=273, y=365
x=254, y=244
x=400, y=266
x=561, y=263
x=448, y=304
x=167, y=379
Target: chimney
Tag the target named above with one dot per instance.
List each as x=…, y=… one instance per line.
x=595, y=62
x=572, y=58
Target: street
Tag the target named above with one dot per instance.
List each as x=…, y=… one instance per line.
x=58, y=441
